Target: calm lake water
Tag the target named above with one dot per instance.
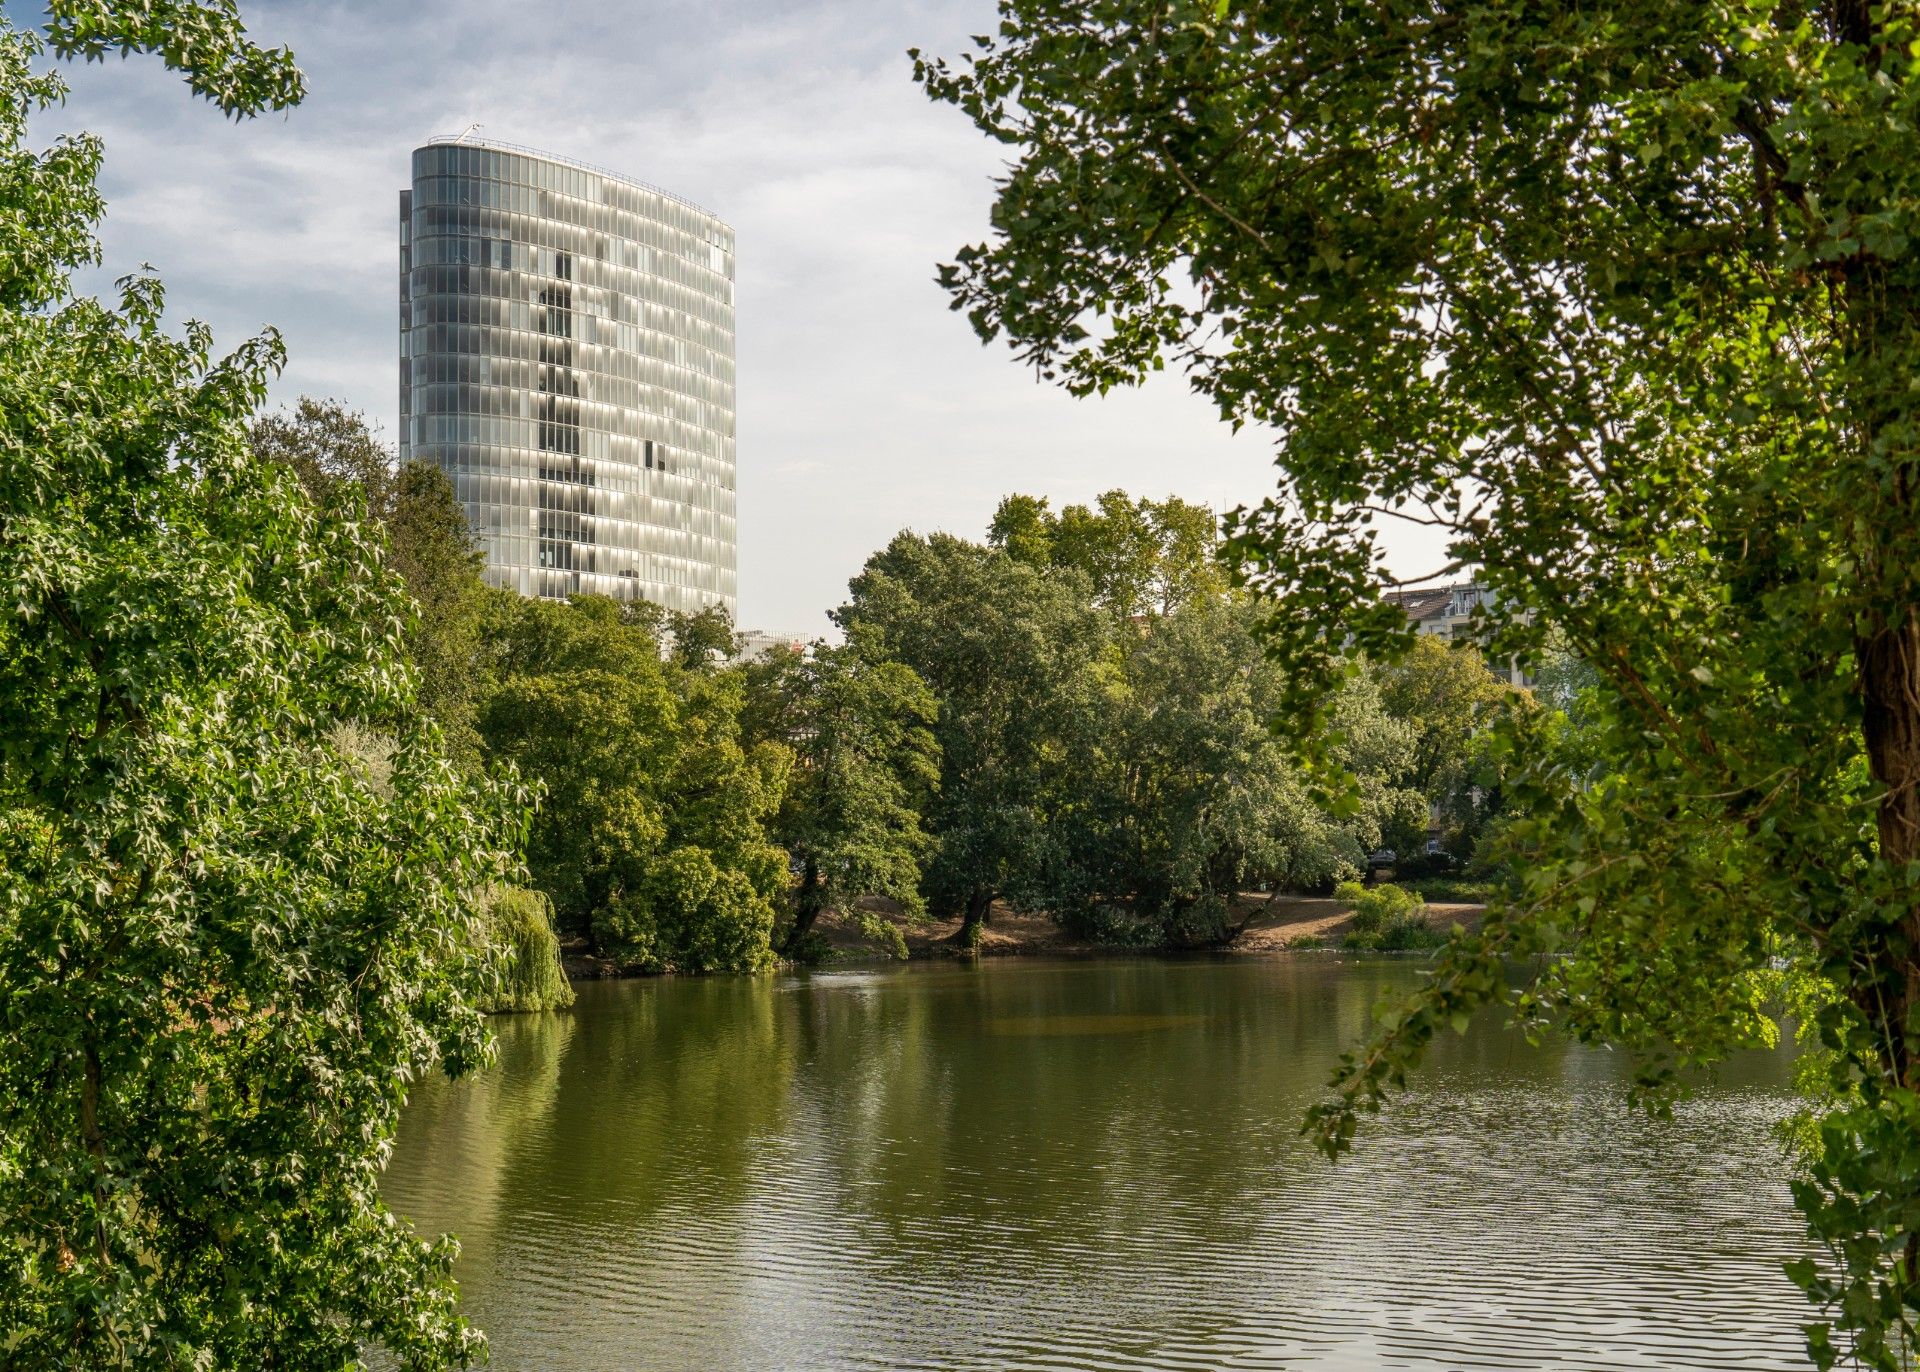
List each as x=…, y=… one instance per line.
x=1049, y=1165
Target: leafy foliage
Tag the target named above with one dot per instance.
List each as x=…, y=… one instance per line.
x=202, y=39
x=865, y=764
x=1141, y=556
x=1183, y=796
x=227, y=939
x=1444, y=693
x=1010, y=653
x=348, y=471
x=701, y=640
x=651, y=836
x=1623, y=298
x=1386, y=918
x=1116, y=771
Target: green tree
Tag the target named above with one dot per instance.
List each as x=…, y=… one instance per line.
x=1141, y=556
x=1185, y=567
x=702, y=641
x=865, y=764
x=1446, y=696
x=1185, y=797
x=1113, y=545
x=225, y=946
x=1623, y=298
x=1024, y=525
x=340, y=461
x=1011, y=653
x=347, y=470
x=650, y=838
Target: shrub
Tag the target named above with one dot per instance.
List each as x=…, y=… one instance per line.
x=1404, y=933
x=1386, y=918
x=812, y=949
x=1114, y=927
x=1373, y=906
x=1202, y=924
x=689, y=915
x=529, y=976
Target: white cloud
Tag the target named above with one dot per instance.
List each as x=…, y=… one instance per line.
x=865, y=405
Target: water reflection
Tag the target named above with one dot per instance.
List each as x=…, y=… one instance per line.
x=1093, y=1164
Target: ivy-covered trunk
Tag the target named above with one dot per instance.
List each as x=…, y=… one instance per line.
x=1875, y=338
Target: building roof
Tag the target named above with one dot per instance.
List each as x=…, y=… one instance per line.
x=462, y=140
x=1427, y=604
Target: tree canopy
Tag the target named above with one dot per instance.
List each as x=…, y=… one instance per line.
x=650, y=837
x=1622, y=297
x=348, y=471
x=1008, y=650
x=1106, y=757
x=1141, y=556
x=1179, y=797
x=865, y=765
x=1445, y=694
x=227, y=942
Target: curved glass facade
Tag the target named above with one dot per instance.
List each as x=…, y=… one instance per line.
x=566, y=356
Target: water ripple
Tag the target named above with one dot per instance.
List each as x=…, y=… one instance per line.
x=1086, y=1166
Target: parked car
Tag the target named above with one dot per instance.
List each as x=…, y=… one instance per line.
x=1382, y=857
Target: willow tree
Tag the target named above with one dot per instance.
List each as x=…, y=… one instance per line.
x=1622, y=297
x=226, y=943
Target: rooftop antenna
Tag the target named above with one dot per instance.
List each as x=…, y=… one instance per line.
x=462, y=135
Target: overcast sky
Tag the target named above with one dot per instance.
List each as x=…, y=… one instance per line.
x=865, y=406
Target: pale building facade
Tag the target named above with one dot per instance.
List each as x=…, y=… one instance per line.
x=1448, y=612
x=567, y=358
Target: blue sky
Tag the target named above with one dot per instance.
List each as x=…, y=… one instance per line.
x=865, y=406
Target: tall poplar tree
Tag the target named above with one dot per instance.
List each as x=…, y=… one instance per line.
x=1622, y=297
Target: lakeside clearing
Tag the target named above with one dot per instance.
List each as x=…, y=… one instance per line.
x=1281, y=924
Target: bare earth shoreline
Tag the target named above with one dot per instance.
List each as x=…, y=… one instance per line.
x=1289, y=921
x=1286, y=923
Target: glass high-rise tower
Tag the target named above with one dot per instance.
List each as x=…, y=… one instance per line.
x=566, y=357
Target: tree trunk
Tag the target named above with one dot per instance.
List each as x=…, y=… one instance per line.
x=1248, y=915
x=979, y=905
x=808, y=902
x=96, y=1145
x=1890, y=691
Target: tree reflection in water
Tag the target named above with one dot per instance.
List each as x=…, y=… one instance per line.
x=1024, y=1163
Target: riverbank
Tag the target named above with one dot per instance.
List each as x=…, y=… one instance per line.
x=1275, y=926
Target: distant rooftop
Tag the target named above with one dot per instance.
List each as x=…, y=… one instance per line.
x=462, y=140
x=1421, y=604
